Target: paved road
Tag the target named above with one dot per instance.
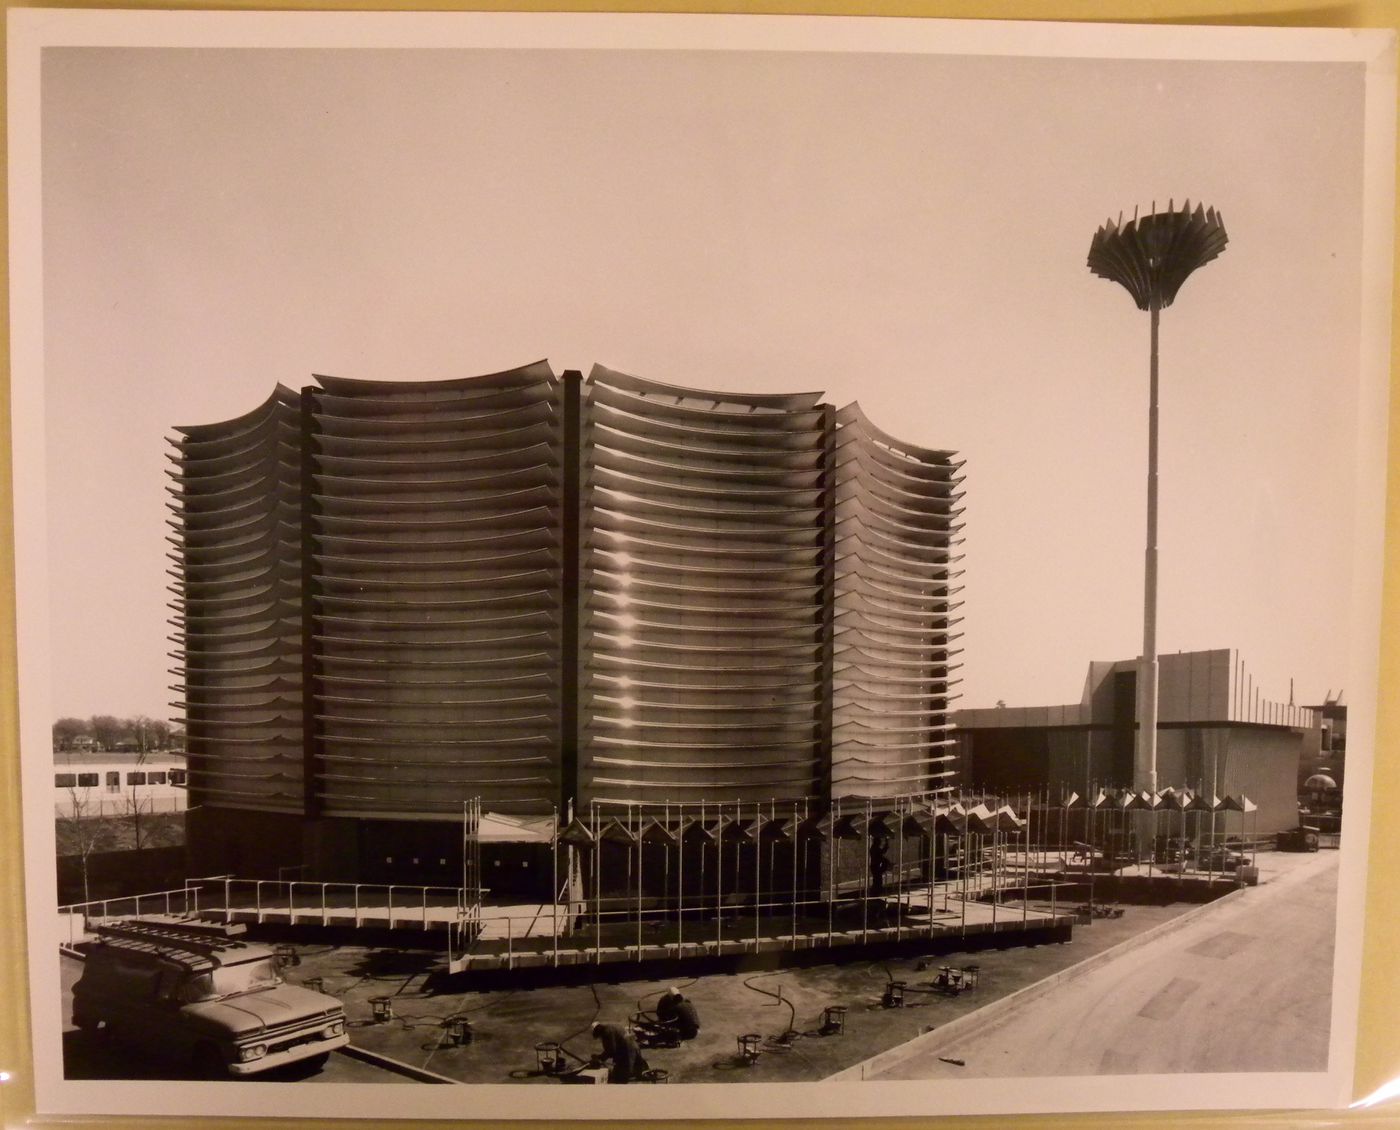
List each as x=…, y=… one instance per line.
x=1245, y=986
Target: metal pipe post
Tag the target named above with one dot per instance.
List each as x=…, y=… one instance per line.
x=554, y=878
x=719, y=880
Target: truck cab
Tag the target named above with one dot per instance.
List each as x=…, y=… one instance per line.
x=198, y=994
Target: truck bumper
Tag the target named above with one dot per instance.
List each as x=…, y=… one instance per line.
x=290, y=1055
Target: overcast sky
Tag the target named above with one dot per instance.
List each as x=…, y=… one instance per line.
x=908, y=231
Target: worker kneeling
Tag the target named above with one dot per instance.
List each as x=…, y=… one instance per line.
x=675, y=1020
x=619, y=1052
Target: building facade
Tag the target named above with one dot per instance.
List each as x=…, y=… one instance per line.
x=1216, y=735
x=541, y=593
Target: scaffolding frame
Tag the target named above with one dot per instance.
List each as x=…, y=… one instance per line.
x=689, y=878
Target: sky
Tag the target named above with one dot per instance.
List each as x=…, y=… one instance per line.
x=906, y=231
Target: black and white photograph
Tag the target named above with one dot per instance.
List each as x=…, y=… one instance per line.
x=838, y=557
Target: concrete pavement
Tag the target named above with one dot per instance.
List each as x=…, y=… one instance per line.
x=508, y=1021
x=1243, y=985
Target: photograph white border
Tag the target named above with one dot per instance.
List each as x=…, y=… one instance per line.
x=32, y=30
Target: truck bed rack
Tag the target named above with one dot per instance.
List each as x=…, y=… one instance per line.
x=177, y=939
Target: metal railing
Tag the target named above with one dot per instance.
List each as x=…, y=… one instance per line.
x=297, y=901
x=397, y=906
x=177, y=900
x=590, y=929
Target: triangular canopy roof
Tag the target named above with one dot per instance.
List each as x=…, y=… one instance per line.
x=657, y=831
x=576, y=833
x=617, y=832
x=779, y=827
x=498, y=828
x=981, y=819
x=920, y=822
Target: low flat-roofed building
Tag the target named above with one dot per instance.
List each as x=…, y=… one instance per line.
x=1216, y=734
x=95, y=783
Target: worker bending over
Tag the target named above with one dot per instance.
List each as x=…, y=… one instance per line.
x=620, y=1052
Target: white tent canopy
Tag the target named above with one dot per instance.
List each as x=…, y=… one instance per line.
x=498, y=828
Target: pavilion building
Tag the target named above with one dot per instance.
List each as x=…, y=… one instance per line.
x=1217, y=736
x=534, y=594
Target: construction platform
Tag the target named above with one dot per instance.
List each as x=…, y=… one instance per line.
x=967, y=921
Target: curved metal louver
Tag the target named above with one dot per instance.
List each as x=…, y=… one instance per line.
x=238, y=606
x=896, y=528
x=435, y=513
x=766, y=602
x=703, y=520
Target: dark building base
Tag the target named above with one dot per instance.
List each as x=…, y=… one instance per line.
x=263, y=845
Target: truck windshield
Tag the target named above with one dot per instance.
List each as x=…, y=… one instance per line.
x=228, y=980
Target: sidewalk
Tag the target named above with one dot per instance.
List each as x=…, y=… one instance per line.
x=1242, y=984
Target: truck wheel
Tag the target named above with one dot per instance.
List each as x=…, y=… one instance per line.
x=208, y=1063
x=318, y=1061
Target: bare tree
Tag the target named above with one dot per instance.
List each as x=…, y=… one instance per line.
x=65, y=730
x=106, y=730
x=141, y=732
x=135, y=805
x=85, y=832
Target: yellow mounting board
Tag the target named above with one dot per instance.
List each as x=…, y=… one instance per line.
x=1378, y=1047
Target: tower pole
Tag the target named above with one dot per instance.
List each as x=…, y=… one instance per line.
x=1151, y=257
x=1145, y=769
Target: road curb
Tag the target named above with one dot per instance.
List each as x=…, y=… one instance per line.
x=389, y=1063
x=989, y=1014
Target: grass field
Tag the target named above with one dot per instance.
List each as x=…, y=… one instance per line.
x=119, y=833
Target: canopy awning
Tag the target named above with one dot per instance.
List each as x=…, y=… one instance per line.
x=498, y=828
x=1179, y=799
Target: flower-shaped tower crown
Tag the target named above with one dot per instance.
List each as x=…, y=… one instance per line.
x=1152, y=255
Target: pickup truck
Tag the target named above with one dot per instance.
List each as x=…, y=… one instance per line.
x=196, y=994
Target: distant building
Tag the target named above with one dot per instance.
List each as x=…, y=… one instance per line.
x=1328, y=756
x=90, y=783
x=1215, y=734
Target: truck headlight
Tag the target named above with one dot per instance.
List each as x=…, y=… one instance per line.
x=335, y=1028
x=251, y=1051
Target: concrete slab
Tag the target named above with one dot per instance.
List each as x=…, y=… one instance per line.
x=509, y=1022
x=1242, y=984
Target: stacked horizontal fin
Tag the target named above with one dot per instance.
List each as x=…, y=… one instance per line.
x=896, y=529
x=238, y=606
x=702, y=635
x=434, y=511
x=764, y=605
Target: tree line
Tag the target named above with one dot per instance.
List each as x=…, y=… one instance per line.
x=108, y=732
